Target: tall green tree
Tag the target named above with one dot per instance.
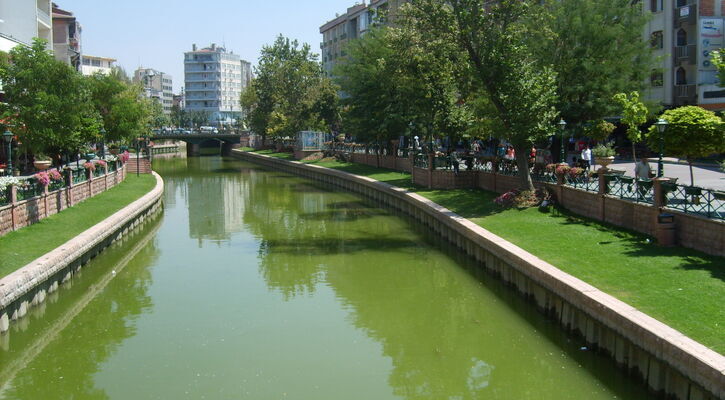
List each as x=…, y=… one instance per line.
x=179, y=116
x=157, y=117
x=692, y=132
x=289, y=93
x=124, y=112
x=398, y=78
x=520, y=88
x=634, y=114
x=719, y=62
x=596, y=48
x=50, y=101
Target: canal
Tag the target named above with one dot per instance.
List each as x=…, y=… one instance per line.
x=257, y=284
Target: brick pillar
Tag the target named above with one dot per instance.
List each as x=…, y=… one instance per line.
x=431, y=165
x=602, y=181
x=14, y=205
x=68, y=187
x=105, y=177
x=45, y=201
x=658, y=193
x=89, y=181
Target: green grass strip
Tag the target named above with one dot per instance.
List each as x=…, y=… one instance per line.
x=681, y=287
x=25, y=245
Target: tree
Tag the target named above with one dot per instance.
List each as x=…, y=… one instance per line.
x=124, y=112
x=494, y=35
x=179, y=116
x=596, y=49
x=396, y=78
x=692, y=132
x=50, y=101
x=157, y=117
x=634, y=114
x=289, y=93
x=198, y=117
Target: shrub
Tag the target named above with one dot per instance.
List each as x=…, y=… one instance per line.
x=42, y=177
x=562, y=169
x=89, y=166
x=603, y=150
x=55, y=175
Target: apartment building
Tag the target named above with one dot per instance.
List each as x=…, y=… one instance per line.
x=351, y=25
x=157, y=85
x=93, y=64
x=683, y=34
x=21, y=21
x=66, y=37
x=214, y=79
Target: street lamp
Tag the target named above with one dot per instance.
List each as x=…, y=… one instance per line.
x=103, y=143
x=562, y=125
x=661, y=128
x=8, y=138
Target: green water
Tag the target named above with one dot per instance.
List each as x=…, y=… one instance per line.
x=260, y=285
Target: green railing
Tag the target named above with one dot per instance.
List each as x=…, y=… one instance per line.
x=79, y=175
x=4, y=197
x=29, y=189
x=694, y=200
x=582, y=181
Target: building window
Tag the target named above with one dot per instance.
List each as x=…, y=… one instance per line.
x=656, y=78
x=655, y=5
x=680, y=76
x=680, y=3
x=681, y=37
x=96, y=63
x=656, y=40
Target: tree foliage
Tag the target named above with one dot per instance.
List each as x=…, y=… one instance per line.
x=125, y=114
x=634, y=114
x=289, y=93
x=596, y=48
x=49, y=101
x=408, y=80
x=519, y=87
x=719, y=62
x=692, y=132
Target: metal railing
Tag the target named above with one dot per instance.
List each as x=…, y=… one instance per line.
x=4, y=197
x=582, y=181
x=79, y=175
x=694, y=200
x=29, y=189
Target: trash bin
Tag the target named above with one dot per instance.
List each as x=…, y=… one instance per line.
x=665, y=230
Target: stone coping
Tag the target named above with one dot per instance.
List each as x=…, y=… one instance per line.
x=38, y=271
x=691, y=358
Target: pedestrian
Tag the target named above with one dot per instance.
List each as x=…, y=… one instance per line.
x=455, y=162
x=586, y=157
x=642, y=169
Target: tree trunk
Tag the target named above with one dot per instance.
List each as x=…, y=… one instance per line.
x=634, y=154
x=522, y=163
x=692, y=177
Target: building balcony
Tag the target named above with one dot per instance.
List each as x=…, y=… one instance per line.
x=44, y=18
x=685, y=95
x=686, y=54
x=686, y=15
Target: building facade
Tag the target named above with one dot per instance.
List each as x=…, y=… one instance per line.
x=683, y=33
x=21, y=21
x=157, y=86
x=66, y=37
x=92, y=64
x=351, y=25
x=214, y=79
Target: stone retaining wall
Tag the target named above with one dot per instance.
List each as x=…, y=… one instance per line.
x=19, y=214
x=29, y=286
x=666, y=360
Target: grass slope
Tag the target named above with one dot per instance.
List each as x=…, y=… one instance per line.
x=25, y=245
x=681, y=287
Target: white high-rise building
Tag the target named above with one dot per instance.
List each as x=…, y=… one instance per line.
x=214, y=80
x=21, y=21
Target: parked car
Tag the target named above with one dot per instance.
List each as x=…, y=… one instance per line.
x=208, y=129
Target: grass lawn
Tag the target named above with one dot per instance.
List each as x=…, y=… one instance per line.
x=25, y=245
x=681, y=287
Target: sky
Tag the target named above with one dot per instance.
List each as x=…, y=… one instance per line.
x=156, y=33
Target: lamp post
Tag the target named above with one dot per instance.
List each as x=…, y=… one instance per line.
x=661, y=128
x=562, y=125
x=103, y=143
x=8, y=138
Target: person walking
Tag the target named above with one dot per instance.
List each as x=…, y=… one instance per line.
x=642, y=169
x=586, y=157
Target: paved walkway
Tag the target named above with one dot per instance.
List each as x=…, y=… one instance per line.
x=705, y=176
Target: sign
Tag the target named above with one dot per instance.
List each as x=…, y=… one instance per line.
x=711, y=38
x=309, y=140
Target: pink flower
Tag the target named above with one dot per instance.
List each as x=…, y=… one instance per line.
x=55, y=175
x=42, y=178
x=89, y=166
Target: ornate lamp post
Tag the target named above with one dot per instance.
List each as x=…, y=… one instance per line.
x=8, y=139
x=661, y=128
x=562, y=126
x=103, y=143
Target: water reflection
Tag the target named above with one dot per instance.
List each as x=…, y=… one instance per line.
x=80, y=325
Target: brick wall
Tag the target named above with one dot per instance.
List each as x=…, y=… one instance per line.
x=707, y=8
x=144, y=166
x=27, y=212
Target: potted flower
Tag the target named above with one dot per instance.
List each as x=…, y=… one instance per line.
x=42, y=178
x=604, y=154
x=41, y=162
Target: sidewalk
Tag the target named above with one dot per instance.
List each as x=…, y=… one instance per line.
x=706, y=176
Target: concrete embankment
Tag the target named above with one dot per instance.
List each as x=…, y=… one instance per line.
x=31, y=284
x=669, y=362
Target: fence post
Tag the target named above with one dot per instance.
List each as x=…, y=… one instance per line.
x=13, y=206
x=45, y=200
x=68, y=187
x=105, y=177
x=431, y=167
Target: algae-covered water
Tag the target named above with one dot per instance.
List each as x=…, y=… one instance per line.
x=255, y=284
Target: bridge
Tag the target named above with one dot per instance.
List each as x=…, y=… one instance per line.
x=227, y=141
